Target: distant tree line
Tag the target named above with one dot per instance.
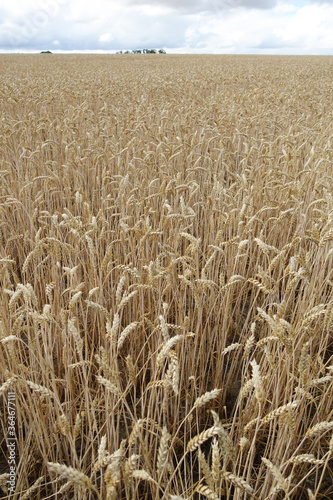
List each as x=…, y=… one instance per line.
x=142, y=51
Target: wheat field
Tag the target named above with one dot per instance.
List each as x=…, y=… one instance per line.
x=166, y=276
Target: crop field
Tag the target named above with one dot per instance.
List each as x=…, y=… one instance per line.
x=166, y=313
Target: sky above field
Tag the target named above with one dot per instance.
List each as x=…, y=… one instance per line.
x=179, y=26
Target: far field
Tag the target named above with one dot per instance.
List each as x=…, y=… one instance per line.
x=166, y=313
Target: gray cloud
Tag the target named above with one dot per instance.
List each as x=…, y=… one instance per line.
x=248, y=4
x=196, y=6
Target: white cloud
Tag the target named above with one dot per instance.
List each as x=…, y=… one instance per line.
x=106, y=37
x=235, y=26
x=310, y=28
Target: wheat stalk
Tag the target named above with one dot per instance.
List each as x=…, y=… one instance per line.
x=198, y=440
x=318, y=429
x=206, y=398
x=72, y=475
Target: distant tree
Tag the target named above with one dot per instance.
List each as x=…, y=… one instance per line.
x=46, y=52
x=142, y=51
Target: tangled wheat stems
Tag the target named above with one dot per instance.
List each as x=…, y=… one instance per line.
x=166, y=276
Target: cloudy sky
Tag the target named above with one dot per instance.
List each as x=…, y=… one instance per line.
x=179, y=26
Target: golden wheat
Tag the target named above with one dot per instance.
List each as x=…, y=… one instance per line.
x=166, y=267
